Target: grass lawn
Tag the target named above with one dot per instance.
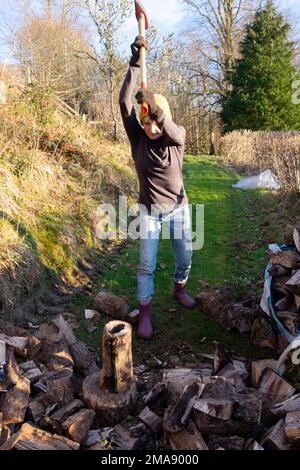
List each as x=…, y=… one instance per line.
x=238, y=227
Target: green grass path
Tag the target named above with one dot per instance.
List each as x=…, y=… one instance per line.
x=234, y=254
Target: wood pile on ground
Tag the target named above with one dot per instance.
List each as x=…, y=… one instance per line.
x=253, y=316
x=55, y=397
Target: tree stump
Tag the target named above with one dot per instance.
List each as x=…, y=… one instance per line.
x=112, y=393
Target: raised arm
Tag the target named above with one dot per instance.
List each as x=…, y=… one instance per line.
x=130, y=121
x=129, y=118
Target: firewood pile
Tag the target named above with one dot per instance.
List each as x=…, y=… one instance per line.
x=253, y=316
x=55, y=396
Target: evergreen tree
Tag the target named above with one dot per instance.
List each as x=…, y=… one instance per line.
x=261, y=94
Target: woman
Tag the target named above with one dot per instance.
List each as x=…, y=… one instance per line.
x=157, y=146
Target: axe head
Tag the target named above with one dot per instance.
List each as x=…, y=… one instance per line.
x=140, y=10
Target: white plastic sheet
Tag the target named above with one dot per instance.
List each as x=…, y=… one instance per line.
x=266, y=180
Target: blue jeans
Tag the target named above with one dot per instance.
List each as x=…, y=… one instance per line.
x=179, y=230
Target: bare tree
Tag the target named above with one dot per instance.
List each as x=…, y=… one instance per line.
x=108, y=17
x=216, y=38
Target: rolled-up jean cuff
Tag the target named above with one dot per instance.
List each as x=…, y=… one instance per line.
x=144, y=301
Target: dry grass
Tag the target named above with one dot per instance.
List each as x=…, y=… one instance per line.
x=253, y=152
x=54, y=173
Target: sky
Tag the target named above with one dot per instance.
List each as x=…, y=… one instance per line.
x=167, y=15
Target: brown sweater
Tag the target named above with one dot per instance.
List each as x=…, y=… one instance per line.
x=158, y=162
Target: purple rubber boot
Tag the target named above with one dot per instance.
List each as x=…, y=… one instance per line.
x=145, y=330
x=182, y=296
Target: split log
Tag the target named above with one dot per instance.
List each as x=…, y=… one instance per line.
x=297, y=302
x=262, y=334
x=291, y=321
x=248, y=407
x=158, y=396
x=293, y=285
x=16, y=398
x=251, y=444
x=36, y=409
x=285, y=303
x=280, y=282
x=49, y=332
x=83, y=358
x=64, y=330
x=122, y=439
x=288, y=406
x=33, y=345
x=292, y=426
x=232, y=372
x=78, y=425
x=112, y=305
x=17, y=342
x=277, y=270
x=274, y=387
x=214, y=407
x=32, y=438
x=56, y=355
x=207, y=424
x=176, y=415
x=227, y=443
x=151, y=420
x=275, y=438
x=218, y=388
x=60, y=387
x=258, y=367
x=296, y=238
x=187, y=439
x=30, y=370
x=289, y=259
x=55, y=421
x=117, y=372
x=177, y=379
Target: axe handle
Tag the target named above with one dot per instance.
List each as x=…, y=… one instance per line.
x=142, y=32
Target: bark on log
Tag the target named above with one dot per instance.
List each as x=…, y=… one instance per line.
x=289, y=259
x=55, y=420
x=16, y=398
x=60, y=387
x=110, y=408
x=227, y=443
x=83, y=358
x=78, y=425
x=214, y=407
x=32, y=438
x=112, y=305
x=57, y=355
x=151, y=420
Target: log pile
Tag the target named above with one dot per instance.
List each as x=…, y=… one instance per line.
x=52, y=402
x=251, y=316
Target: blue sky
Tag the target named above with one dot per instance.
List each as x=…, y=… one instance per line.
x=167, y=15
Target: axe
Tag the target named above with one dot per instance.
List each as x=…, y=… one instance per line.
x=142, y=19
